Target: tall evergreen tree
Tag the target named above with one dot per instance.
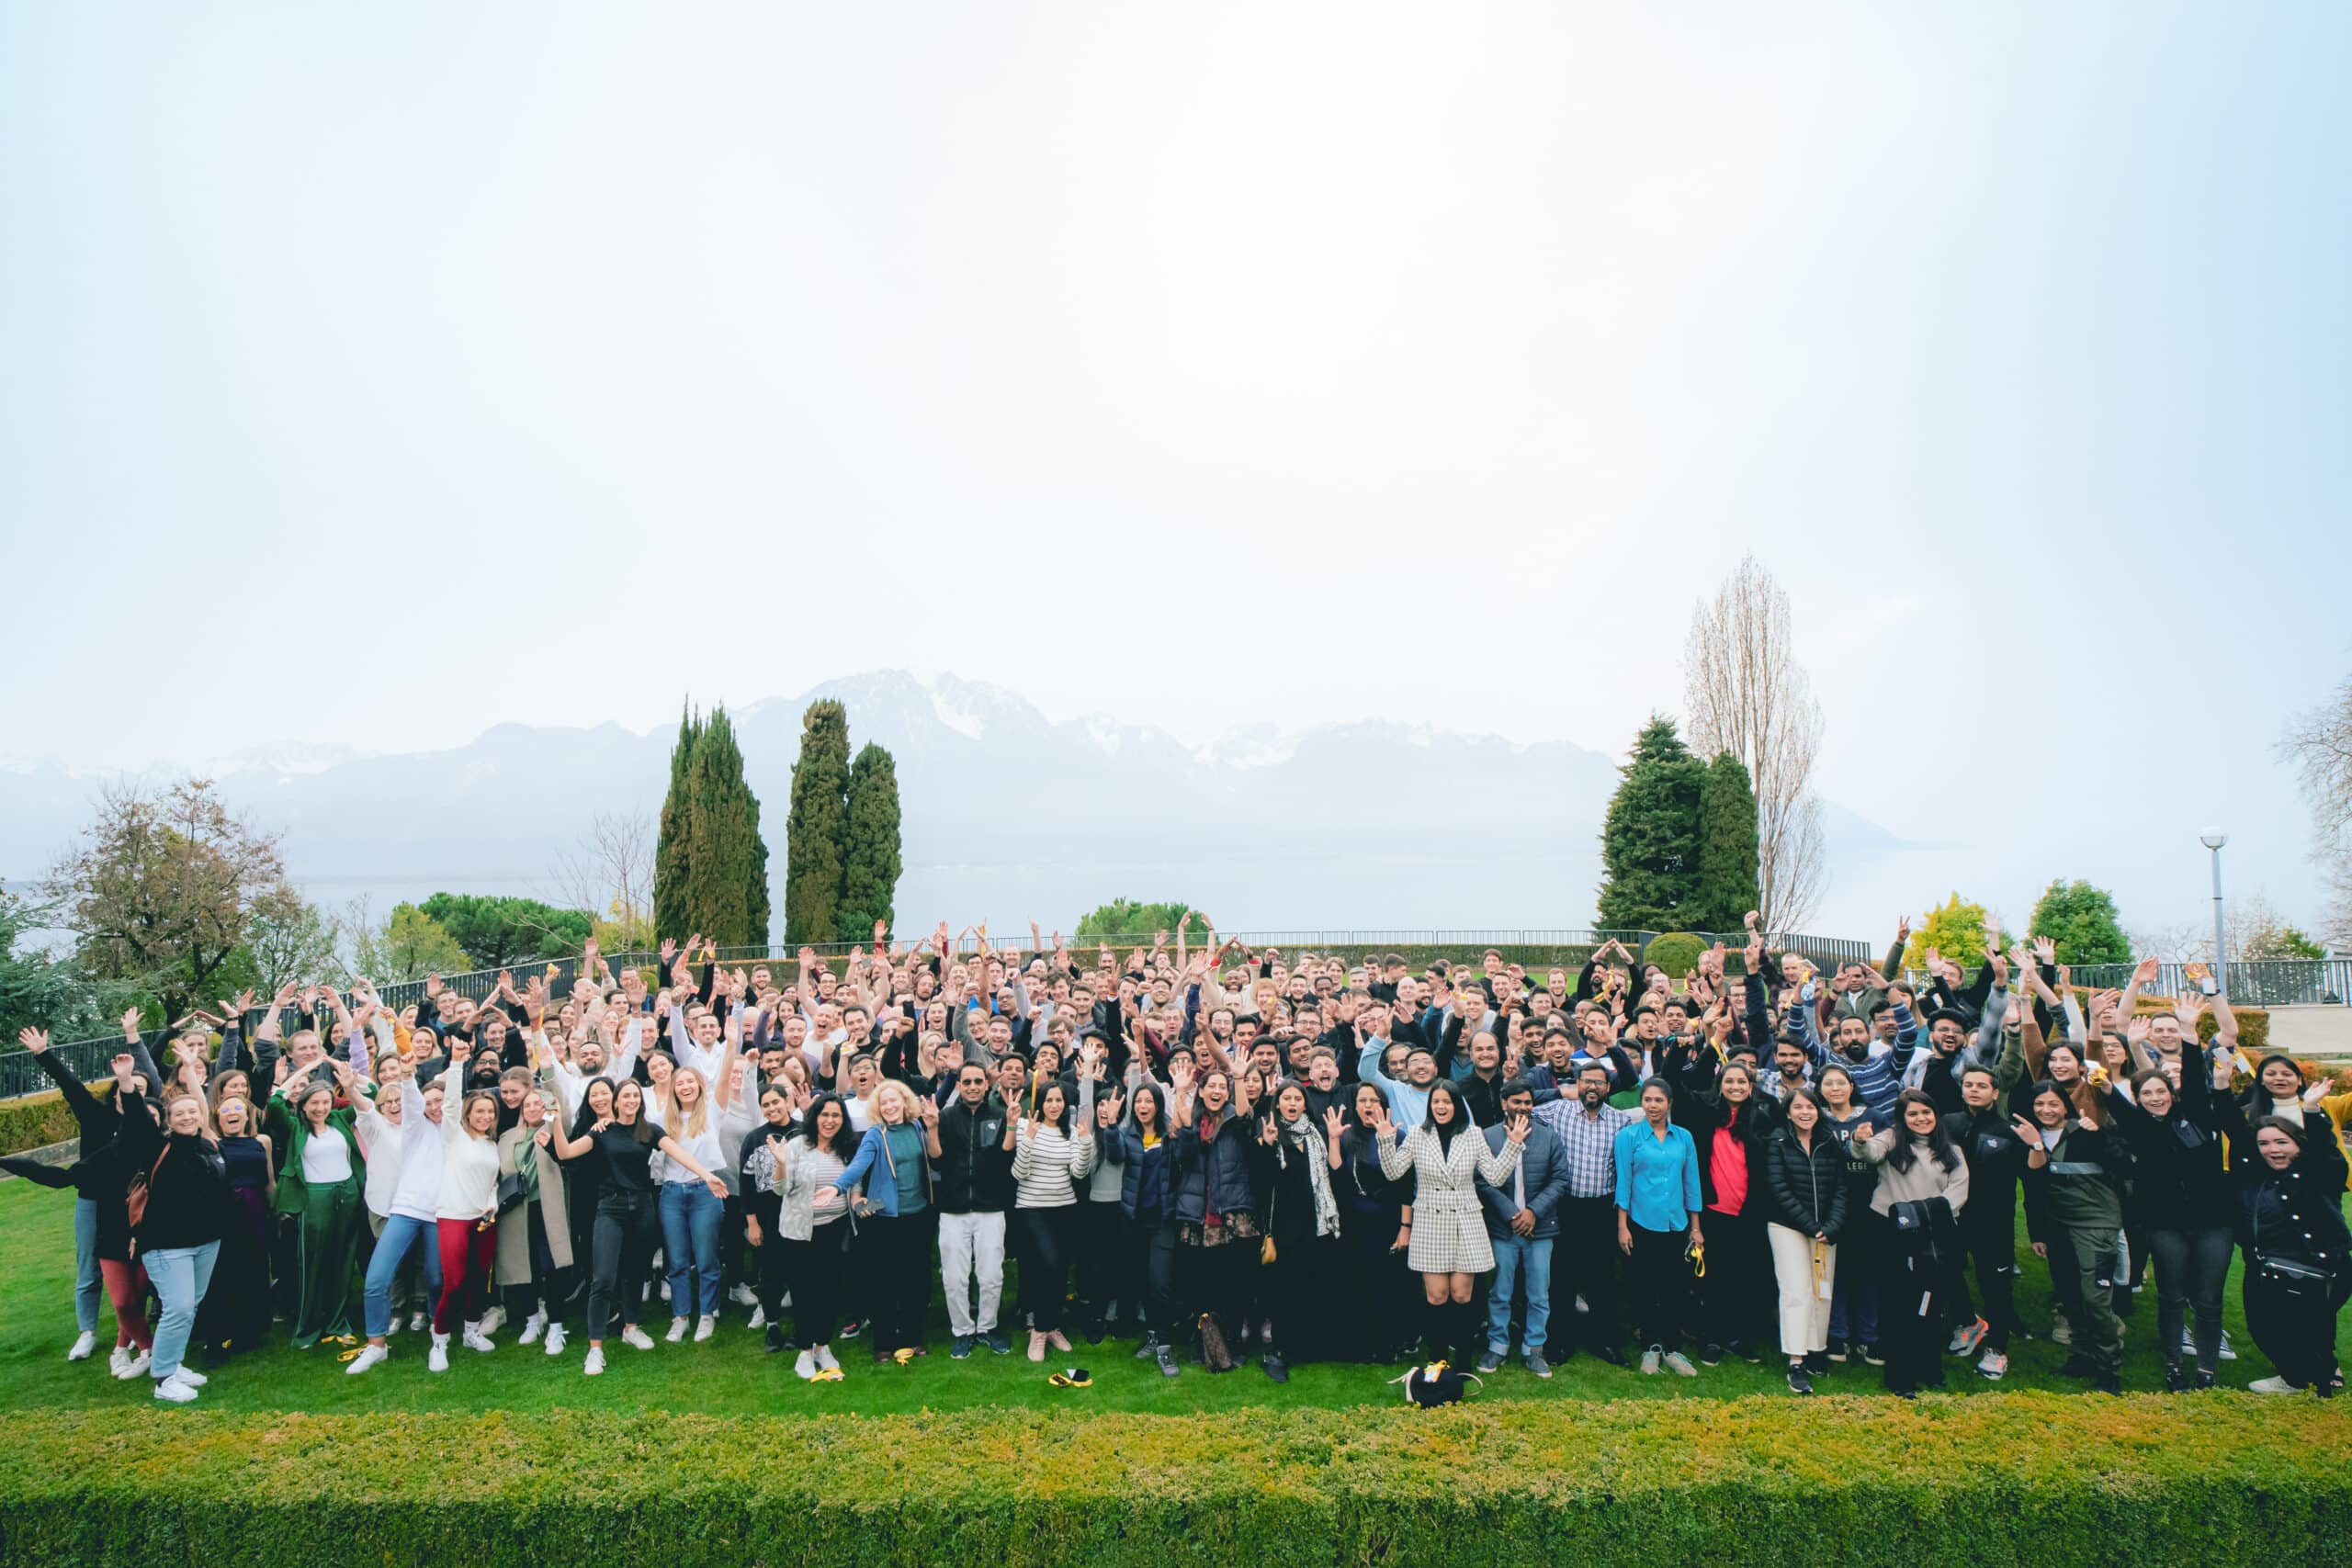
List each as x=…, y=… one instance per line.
x=814, y=840
x=1649, y=842
x=870, y=862
x=1729, y=884
x=726, y=862
x=670, y=867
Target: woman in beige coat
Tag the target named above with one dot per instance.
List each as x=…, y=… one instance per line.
x=534, y=1260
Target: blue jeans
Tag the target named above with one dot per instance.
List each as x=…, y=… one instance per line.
x=400, y=1233
x=690, y=1217
x=87, y=1286
x=181, y=1275
x=1519, y=1257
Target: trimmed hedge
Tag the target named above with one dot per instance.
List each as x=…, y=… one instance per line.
x=2026, y=1478
x=37, y=1121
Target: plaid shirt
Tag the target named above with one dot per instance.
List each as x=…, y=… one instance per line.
x=1589, y=1144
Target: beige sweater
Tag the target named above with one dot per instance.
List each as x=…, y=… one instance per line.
x=1926, y=1178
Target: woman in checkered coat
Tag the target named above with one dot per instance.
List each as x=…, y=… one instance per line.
x=1446, y=1155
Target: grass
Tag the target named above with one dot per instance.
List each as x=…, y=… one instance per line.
x=732, y=1376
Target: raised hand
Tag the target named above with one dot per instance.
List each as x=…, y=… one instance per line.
x=33, y=1040
x=1333, y=1121
x=130, y=1022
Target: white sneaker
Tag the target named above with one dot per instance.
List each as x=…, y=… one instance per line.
x=746, y=1296
x=416, y=1323
x=555, y=1339
x=369, y=1355
x=482, y=1342
x=173, y=1391
x=759, y=1318
x=1649, y=1362
x=190, y=1376
x=134, y=1365
x=704, y=1327
x=677, y=1330
x=804, y=1366
x=532, y=1327
x=825, y=1358
x=83, y=1343
x=2274, y=1385
x=637, y=1340
x=665, y=1289
x=437, y=1359
x=116, y=1357
x=596, y=1362
x=494, y=1320
x=1681, y=1365
x=2227, y=1354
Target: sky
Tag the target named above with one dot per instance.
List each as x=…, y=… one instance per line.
x=378, y=374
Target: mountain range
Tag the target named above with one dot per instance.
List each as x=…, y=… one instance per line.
x=1009, y=815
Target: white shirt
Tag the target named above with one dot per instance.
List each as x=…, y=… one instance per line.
x=326, y=1158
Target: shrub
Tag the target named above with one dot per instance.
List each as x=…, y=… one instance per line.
x=1677, y=953
x=2024, y=1478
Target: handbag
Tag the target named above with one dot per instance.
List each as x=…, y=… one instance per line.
x=512, y=1192
x=134, y=1199
x=1266, y=1242
x=2297, y=1276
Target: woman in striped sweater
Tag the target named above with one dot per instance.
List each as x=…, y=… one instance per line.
x=1047, y=1164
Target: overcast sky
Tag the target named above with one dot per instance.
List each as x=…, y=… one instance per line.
x=378, y=373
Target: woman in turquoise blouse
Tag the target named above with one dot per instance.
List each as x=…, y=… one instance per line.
x=1657, y=1224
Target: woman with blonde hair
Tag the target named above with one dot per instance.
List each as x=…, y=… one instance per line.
x=534, y=1255
x=696, y=1115
x=893, y=1160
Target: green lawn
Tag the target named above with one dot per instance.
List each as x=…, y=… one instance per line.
x=731, y=1375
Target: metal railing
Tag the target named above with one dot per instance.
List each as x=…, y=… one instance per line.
x=2259, y=983
x=1567, y=948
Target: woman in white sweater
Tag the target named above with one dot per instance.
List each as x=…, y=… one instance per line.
x=702, y=1120
x=465, y=1219
x=1049, y=1161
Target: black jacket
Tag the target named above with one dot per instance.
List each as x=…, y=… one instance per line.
x=1995, y=1159
x=2298, y=1213
x=1808, y=1190
x=974, y=1170
x=1703, y=1116
x=187, y=1196
x=1214, y=1171
x=2178, y=1173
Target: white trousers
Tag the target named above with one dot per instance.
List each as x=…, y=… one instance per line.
x=1804, y=1301
x=972, y=1246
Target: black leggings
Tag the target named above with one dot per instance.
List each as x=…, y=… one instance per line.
x=900, y=1253
x=1150, y=1247
x=1739, y=1280
x=549, y=1286
x=1910, y=1318
x=1992, y=1250
x=1045, y=1237
x=626, y=1228
x=1102, y=1277
x=1658, y=1279
x=2190, y=1266
x=816, y=1272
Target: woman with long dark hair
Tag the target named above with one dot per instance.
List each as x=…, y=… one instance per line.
x=1853, y=1302
x=812, y=1227
x=2298, y=1251
x=1377, y=1226
x=1730, y=1126
x=1297, y=1156
x=757, y=1172
x=1137, y=1148
x=2189, y=1200
x=625, y=1143
x=1217, y=1209
x=1659, y=1205
x=1922, y=1187
x=1804, y=1171
x=1049, y=1161
x=2074, y=1209
x=1449, y=1249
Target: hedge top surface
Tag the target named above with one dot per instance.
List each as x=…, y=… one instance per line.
x=1531, y=1451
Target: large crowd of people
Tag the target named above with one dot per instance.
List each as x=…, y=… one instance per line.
x=1219, y=1153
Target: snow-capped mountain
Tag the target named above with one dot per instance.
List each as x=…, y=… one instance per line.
x=1009, y=815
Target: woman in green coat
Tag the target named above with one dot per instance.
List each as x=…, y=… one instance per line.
x=322, y=1186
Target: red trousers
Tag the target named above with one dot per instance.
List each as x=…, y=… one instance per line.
x=467, y=1247
x=127, y=1289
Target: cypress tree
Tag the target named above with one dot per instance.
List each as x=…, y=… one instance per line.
x=1728, y=881
x=1649, y=842
x=870, y=856
x=727, y=864
x=814, y=838
x=670, y=852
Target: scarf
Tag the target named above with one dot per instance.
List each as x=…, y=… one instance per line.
x=1310, y=1145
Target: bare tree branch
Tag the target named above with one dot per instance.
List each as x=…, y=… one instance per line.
x=1746, y=693
x=2319, y=745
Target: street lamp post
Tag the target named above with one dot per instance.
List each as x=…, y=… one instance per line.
x=2213, y=839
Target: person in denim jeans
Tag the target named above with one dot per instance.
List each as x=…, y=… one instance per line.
x=703, y=1120
x=1522, y=1221
x=179, y=1234
x=412, y=1222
